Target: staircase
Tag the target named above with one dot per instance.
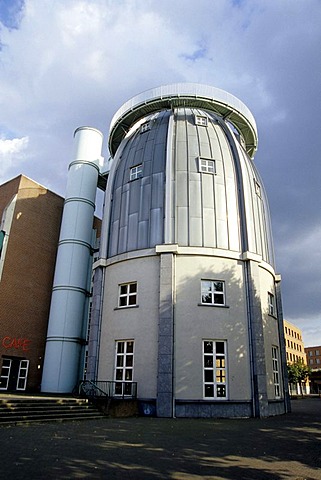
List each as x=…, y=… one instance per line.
x=16, y=409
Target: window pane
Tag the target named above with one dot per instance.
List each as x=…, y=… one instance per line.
x=220, y=376
x=129, y=360
x=118, y=389
x=208, y=376
x=123, y=301
x=221, y=391
x=129, y=374
x=219, y=347
x=132, y=300
x=218, y=286
x=130, y=347
x=120, y=361
x=220, y=362
x=208, y=361
x=209, y=390
x=119, y=374
x=208, y=347
x=132, y=287
x=128, y=389
x=120, y=347
x=218, y=299
x=123, y=289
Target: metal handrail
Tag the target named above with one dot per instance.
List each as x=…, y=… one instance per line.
x=107, y=389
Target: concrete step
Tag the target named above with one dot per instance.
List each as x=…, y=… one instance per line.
x=19, y=410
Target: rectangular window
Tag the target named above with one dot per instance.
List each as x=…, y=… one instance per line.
x=136, y=172
x=271, y=303
x=276, y=373
x=206, y=165
x=5, y=373
x=214, y=369
x=213, y=292
x=201, y=120
x=317, y=352
x=257, y=188
x=127, y=294
x=22, y=375
x=145, y=127
x=124, y=368
x=310, y=353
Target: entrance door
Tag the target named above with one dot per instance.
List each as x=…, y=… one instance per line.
x=14, y=373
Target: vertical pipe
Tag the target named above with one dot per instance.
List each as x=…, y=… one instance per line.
x=65, y=327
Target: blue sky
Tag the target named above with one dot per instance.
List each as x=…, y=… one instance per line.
x=67, y=63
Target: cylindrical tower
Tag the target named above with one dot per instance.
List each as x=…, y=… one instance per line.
x=65, y=335
x=187, y=298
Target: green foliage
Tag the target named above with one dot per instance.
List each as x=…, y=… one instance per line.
x=298, y=372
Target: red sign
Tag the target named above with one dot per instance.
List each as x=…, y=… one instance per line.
x=17, y=343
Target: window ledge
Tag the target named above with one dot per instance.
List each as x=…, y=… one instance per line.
x=126, y=307
x=212, y=305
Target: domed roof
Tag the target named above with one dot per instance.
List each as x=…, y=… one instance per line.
x=174, y=180
x=186, y=95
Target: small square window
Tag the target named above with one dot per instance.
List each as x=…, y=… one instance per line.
x=127, y=294
x=257, y=188
x=207, y=165
x=136, y=172
x=212, y=292
x=145, y=127
x=201, y=120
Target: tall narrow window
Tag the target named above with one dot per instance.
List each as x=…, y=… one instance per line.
x=136, y=172
x=276, y=372
x=22, y=375
x=127, y=294
x=214, y=363
x=271, y=303
x=5, y=373
x=124, y=367
x=213, y=292
x=206, y=165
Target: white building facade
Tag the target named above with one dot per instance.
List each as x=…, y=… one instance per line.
x=186, y=298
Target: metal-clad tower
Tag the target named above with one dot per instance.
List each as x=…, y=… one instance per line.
x=186, y=297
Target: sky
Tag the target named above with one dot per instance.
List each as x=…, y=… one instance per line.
x=70, y=63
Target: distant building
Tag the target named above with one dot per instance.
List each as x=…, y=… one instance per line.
x=313, y=355
x=294, y=347
x=314, y=362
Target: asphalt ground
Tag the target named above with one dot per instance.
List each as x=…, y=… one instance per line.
x=283, y=447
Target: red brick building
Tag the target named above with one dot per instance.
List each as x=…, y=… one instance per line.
x=30, y=222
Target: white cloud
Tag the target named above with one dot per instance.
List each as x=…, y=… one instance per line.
x=11, y=153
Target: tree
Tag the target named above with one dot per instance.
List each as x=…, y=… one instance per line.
x=298, y=373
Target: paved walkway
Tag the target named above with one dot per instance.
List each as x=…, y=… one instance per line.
x=285, y=447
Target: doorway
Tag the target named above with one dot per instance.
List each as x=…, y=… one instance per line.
x=14, y=373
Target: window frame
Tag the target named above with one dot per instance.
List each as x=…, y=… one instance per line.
x=201, y=120
x=145, y=127
x=276, y=371
x=215, y=372
x=212, y=292
x=271, y=304
x=123, y=367
x=136, y=172
x=128, y=295
x=207, y=165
